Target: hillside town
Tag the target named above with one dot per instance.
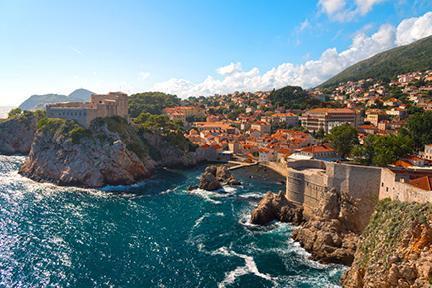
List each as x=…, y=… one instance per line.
x=250, y=127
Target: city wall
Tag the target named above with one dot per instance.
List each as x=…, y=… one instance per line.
x=358, y=187
x=308, y=181
x=394, y=188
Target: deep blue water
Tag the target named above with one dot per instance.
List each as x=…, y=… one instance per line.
x=153, y=234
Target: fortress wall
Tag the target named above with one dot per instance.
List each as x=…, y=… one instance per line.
x=359, y=185
x=79, y=114
x=395, y=190
x=307, y=184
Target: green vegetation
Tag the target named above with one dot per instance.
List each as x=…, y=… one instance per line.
x=382, y=150
x=343, y=138
x=386, y=65
x=151, y=102
x=67, y=128
x=388, y=226
x=292, y=97
x=161, y=125
x=419, y=128
x=15, y=113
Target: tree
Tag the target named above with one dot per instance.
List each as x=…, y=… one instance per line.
x=292, y=97
x=14, y=113
x=414, y=109
x=383, y=150
x=342, y=138
x=419, y=127
x=151, y=102
x=320, y=134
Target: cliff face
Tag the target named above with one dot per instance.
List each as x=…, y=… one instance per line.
x=395, y=249
x=110, y=152
x=327, y=235
x=16, y=134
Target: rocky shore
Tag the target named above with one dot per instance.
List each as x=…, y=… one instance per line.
x=276, y=207
x=214, y=177
x=394, y=250
x=325, y=235
x=110, y=152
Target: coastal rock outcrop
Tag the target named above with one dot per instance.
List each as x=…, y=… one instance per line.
x=328, y=241
x=326, y=235
x=66, y=154
x=17, y=133
x=276, y=207
x=110, y=152
x=395, y=249
x=214, y=177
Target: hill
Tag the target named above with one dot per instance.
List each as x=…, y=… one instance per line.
x=39, y=101
x=416, y=56
x=292, y=97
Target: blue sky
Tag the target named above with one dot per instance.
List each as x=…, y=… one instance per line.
x=180, y=46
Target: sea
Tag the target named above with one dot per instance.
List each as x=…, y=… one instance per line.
x=152, y=234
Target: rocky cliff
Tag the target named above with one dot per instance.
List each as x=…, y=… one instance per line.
x=110, y=152
x=395, y=249
x=17, y=132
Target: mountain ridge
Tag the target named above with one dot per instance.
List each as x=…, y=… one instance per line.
x=416, y=56
x=35, y=102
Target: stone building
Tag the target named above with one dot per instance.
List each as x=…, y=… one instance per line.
x=328, y=118
x=100, y=105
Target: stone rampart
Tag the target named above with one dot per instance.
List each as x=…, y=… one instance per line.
x=307, y=180
x=396, y=189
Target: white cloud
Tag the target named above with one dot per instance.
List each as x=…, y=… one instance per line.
x=310, y=73
x=229, y=69
x=364, y=6
x=412, y=29
x=338, y=10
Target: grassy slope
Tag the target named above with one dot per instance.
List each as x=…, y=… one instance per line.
x=388, y=64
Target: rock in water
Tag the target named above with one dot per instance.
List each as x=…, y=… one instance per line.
x=214, y=177
x=276, y=207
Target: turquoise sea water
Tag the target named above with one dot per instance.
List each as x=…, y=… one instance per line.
x=153, y=234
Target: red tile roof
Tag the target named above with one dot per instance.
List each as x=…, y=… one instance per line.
x=423, y=183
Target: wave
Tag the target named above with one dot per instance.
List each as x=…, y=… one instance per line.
x=256, y=196
x=250, y=267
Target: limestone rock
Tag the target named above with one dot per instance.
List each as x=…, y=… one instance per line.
x=110, y=152
x=327, y=240
x=408, y=261
x=214, y=177
x=16, y=134
x=276, y=207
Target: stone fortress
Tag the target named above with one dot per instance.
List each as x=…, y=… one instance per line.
x=361, y=187
x=100, y=105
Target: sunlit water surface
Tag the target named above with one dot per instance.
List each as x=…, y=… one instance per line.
x=152, y=234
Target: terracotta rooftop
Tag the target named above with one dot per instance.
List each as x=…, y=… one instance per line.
x=318, y=149
x=423, y=183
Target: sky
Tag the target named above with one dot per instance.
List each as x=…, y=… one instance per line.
x=194, y=47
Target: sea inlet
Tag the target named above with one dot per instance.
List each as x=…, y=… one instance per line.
x=151, y=234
